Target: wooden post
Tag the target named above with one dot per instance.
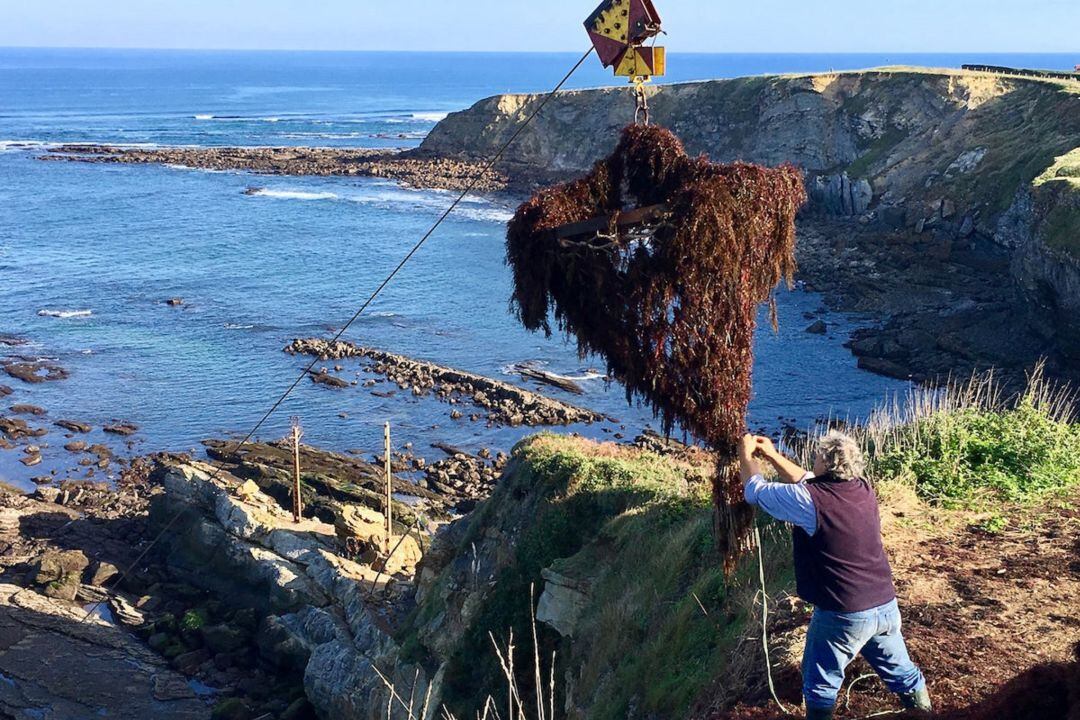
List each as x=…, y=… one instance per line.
x=389, y=531
x=298, y=507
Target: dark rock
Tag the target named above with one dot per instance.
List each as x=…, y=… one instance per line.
x=175, y=302
x=444, y=173
x=5, y=390
x=882, y=366
x=73, y=426
x=818, y=327
x=325, y=378
x=77, y=446
x=231, y=709
x=122, y=428
x=279, y=647
x=171, y=688
x=14, y=428
x=505, y=403
x=967, y=227
x=189, y=662
x=224, y=638
x=300, y=709
x=102, y=451
x=102, y=573
x=246, y=620
x=47, y=494
x=35, y=372
x=23, y=409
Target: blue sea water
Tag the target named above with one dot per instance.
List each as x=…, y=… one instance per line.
x=88, y=253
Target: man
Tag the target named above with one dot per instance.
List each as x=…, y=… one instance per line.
x=840, y=568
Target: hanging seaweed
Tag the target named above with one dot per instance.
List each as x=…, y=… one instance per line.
x=671, y=306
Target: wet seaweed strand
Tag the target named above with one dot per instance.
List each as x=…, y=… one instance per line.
x=674, y=316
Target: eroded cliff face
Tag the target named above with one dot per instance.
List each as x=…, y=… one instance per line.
x=954, y=158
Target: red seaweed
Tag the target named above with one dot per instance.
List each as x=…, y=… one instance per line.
x=673, y=311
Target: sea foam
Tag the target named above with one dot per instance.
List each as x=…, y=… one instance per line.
x=294, y=194
x=65, y=313
x=430, y=116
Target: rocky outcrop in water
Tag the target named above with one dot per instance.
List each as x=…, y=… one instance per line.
x=504, y=403
x=419, y=172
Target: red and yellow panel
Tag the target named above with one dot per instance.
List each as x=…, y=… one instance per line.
x=617, y=29
x=642, y=62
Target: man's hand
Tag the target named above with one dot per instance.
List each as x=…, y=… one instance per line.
x=748, y=466
x=764, y=446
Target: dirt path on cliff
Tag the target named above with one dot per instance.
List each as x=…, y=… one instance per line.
x=993, y=619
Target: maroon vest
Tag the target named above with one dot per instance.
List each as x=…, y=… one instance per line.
x=842, y=567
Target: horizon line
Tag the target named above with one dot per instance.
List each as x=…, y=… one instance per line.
x=535, y=52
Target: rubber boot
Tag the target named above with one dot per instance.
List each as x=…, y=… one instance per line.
x=819, y=713
x=918, y=701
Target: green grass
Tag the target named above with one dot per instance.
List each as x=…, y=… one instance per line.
x=963, y=446
x=576, y=491
x=1025, y=132
x=1015, y=455
x=1065, y=168
x=638, y=526
x=876, y=152
x=1062, y=229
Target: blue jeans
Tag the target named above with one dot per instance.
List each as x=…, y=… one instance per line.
x=835, y=638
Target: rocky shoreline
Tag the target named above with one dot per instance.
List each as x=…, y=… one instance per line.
x=935, y=314
x=501, y=402
x=421, y=172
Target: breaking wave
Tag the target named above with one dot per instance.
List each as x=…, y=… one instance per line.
x=294, y=194
x=399, y=199
x=23, y=145
x=515, y=369
x=65, y=313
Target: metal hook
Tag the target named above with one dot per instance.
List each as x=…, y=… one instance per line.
x=642, y=109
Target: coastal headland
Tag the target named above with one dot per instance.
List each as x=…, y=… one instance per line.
x=945, y=204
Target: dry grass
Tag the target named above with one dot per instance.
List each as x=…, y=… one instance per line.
x=539, y=707
x=970, y=445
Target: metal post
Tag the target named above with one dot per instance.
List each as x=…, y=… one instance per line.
x=389, y=531
x=298, y=508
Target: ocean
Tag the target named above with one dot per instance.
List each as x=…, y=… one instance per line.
x=89, y=253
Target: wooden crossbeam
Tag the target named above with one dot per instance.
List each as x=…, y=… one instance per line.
x=622, y=219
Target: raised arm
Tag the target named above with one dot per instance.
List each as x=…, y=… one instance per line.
x=787, y=470
x=789, y=501
x=748, y=464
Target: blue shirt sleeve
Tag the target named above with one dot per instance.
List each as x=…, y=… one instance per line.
x=787, y=502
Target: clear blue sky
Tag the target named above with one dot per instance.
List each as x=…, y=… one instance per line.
x=693, y=25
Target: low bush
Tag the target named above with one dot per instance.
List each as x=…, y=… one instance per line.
x=965, y=445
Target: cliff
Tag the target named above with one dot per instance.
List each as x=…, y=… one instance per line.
x=958, y=160
x=597, y=564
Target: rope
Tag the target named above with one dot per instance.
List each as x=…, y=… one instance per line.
x=765, y=642
x=765, y=622
x=382, y=286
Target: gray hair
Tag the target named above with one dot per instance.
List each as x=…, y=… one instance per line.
x=841, y=455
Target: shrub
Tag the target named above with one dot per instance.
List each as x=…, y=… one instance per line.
x=963, y=444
